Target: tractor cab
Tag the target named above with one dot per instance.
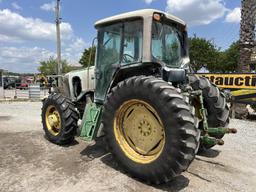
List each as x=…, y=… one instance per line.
x=139, y=42
x=153, y=120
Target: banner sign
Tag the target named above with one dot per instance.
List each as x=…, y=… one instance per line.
x=232, y=81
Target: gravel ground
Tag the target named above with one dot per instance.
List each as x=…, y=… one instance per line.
x=28, y=162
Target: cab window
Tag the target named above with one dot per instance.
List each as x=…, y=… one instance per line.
x=120, y=43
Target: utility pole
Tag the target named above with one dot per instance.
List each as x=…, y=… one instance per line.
x=58, y=21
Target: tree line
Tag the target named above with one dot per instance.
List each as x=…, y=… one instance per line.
x=203, y=53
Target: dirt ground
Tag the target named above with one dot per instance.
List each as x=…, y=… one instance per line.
x=28, y=162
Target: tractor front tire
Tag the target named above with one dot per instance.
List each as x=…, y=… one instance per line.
x=59, y=119
x=149, y=129
x=215, y=104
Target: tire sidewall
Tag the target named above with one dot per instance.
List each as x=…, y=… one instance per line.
x=62, y=137
x=171, y=146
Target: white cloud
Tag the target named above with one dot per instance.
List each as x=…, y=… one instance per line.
x=149, y=1
x=23, y=59
x=33, y=31
x=197, y=12
x=16, y=6
x=234, y=16
x=48, y=6
x=9, y=39
x=73, y=52
x=25, y=28
x=78, y=44
x=27, y=59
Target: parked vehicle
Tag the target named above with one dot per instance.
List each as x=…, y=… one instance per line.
x=10, y=82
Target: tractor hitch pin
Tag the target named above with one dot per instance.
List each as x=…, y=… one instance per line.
x=221, y=131
x=211, y=140
x=232, y=130
x=220, y=142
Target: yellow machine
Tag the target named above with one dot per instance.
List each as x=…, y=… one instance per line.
x=41, y=79
x=241, y=85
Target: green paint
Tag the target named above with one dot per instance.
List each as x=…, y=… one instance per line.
x=91, y=121
x=199, y=94
x=203, y=111
x=218, y=131
x=206, y=140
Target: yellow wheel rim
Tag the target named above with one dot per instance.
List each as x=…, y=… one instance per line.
x=139, y=131
x=53, y=120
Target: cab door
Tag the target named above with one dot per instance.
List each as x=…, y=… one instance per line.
x=108, y=58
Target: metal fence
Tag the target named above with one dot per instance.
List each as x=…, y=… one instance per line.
x=33, y=91
x=21, y=93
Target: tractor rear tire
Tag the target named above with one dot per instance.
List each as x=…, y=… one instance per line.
x=215, y=104
x=59, y=119
x=137, y=113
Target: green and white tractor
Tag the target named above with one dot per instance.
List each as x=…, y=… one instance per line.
x=141, y=97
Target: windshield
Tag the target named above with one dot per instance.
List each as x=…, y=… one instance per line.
x=167, y=44
x=120, y=43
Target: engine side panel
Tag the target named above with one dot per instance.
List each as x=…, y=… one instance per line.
x=85, y=77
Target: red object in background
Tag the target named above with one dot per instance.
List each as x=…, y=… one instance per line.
x=23, y=85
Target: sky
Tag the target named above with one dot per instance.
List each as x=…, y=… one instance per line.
x=27, y=28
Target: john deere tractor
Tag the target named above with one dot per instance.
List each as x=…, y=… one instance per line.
x=141, y=97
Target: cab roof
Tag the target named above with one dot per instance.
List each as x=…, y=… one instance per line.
x=143, y=13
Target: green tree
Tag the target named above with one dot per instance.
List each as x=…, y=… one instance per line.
x=49, y=67
x=203, y=53
x=85, y=59
x=230, y=58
